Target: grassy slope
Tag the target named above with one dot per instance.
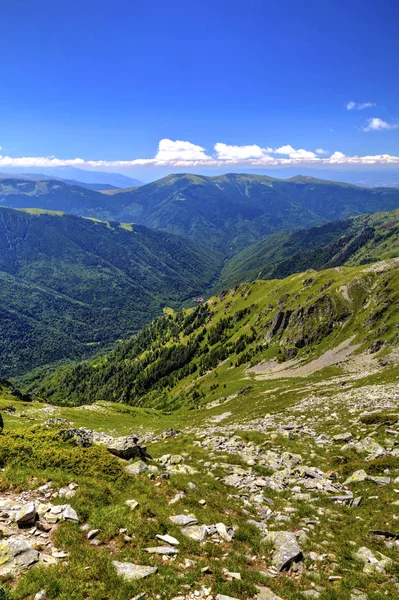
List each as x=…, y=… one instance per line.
x=176, y=361
x=69, y=285
x=353, y=241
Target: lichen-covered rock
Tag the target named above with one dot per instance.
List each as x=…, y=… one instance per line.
x=286, y=549
x=16, y=555
x=198, y=533
x=80, y=436
x=136, y=468
x=132, y=572
x=372, y=563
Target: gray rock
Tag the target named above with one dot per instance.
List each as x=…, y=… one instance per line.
x=266, y=593
x=168, y=539
x=341, y=437
x=27, y=515
x=132, y=572
x=286, y=549
x=80, y=436
x=371, y=562
x=162, y=550
x=92, y=533
x=57, y=422
x=40, y=595
x=16, y=555
x=223, y=597
x=183, y=520
x=357, y=476
x=69, y=514
x=136, y=468
x=125, y=447
x=132, y=504
x=198, y=533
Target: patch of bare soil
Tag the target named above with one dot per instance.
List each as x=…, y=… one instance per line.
x=294, y=368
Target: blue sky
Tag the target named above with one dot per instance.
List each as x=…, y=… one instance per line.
x=199, y=86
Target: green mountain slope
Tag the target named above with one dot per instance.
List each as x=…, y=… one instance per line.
x=179, y=359
x=227, y=212
x=70, y=285
x=353, y=241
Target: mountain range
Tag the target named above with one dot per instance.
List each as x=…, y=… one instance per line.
x=226, y=212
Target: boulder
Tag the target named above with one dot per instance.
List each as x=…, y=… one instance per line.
x=132, y=572
x=136, y=468
x=80, y=436
x=27, y=515
x=286, y=549
x=16, y=555
x=198, y=533
x=125, y=447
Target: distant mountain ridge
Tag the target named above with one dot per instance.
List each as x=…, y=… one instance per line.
x=226, y=212
x=81, y=175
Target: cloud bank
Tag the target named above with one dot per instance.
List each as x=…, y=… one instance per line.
x=180, y=153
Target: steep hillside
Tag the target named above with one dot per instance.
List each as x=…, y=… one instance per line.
x=70, y=285
x=172, y=362
x=353, y=241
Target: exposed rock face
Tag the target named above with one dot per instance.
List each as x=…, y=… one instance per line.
x=81, y=437
x=125, y=447
x=16, y=555
x=132, y=572
x=286, y=549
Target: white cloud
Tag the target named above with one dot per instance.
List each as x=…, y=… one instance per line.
x=377, y=124
x=292, y=153
x=185, y=154
x=359, y=105
x=169, y=150
x=226, y=152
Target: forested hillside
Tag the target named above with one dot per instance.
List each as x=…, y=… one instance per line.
x=173, y=361
x=70, y=286
x=353, y=241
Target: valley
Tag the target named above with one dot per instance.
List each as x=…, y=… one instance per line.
x=243, y=448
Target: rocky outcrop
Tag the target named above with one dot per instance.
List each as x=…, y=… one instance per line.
x=125, y=447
